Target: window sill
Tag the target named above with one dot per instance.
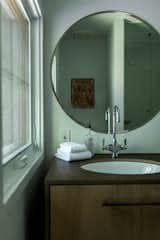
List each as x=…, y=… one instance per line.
x=17, y=173
x=16, y=151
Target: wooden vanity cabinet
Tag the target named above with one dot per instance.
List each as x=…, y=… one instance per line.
x=105, y=212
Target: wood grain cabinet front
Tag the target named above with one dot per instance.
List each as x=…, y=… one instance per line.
x=105, y=212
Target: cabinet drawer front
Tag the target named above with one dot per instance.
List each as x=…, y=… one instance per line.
x=114, y=194
x=105, y=212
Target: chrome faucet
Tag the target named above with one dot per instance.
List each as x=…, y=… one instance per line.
x=115, y=147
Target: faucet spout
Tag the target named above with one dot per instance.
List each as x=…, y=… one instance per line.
x=115, y=147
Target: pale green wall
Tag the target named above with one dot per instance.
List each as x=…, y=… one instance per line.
x=142, y=54
x=22, y=217
x=58, y=17
x=84, y=58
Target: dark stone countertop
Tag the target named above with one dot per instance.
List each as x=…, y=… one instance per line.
x=70, y=173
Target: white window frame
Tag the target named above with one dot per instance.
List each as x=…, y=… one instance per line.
x=29, y=155
x=15, y=136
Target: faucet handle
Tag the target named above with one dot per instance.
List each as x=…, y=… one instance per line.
x=125, y=142
x=103, y=142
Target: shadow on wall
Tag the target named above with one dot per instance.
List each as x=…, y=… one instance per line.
x=34, y=208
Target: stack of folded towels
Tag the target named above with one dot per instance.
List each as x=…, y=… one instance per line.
x=70, y=151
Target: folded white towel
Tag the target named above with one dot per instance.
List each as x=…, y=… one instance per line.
x=74, y=156
x=72, y=147
x=67, y=151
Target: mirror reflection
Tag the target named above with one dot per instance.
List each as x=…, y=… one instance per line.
x=104, y=60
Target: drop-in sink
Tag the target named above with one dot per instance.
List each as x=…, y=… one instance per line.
x=127, y=166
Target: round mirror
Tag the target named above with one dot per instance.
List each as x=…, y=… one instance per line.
x=108, y=59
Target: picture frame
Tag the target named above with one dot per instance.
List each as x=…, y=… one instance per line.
x=82, y=93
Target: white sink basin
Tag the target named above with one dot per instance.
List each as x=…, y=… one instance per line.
x=128, y=166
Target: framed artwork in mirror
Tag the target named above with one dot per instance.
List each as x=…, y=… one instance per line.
x=82, y=93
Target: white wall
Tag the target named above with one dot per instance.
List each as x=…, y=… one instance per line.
x=58, y=17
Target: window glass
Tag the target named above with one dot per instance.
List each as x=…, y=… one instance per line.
x=15, y=77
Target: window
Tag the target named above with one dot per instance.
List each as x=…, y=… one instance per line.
x=21, y=92
x=15, y=77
